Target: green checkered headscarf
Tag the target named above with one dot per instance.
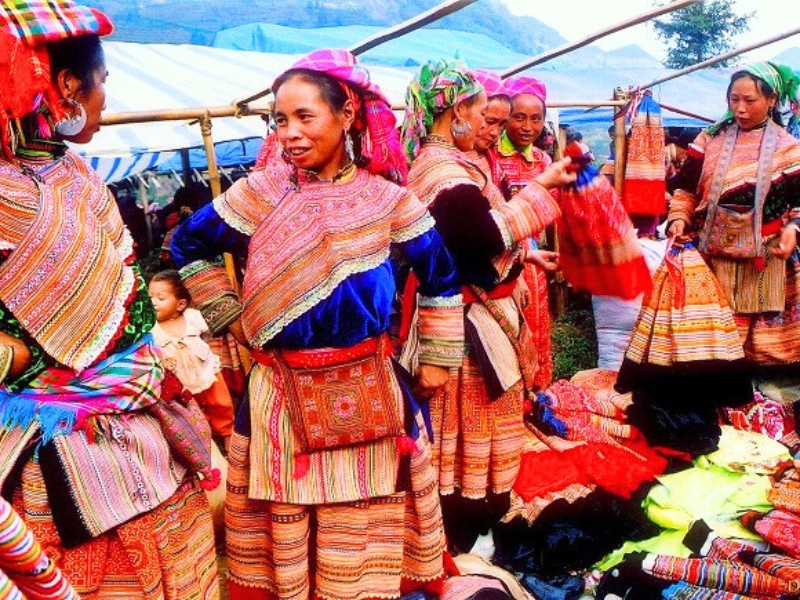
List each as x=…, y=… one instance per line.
x=781, y=78
x=439, y=85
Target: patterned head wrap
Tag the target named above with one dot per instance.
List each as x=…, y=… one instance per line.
x=380, y=143
x=26, y=26
x=491, y=82
x=438, y=86
x=526, y=85
x=781, y=78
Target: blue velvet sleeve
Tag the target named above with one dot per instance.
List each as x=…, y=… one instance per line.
x=206, y=236
x=361, y=305
x=433, y=265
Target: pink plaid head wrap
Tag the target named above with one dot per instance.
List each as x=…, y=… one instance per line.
x=491, y=82
x=526, y=85
x=380, y=141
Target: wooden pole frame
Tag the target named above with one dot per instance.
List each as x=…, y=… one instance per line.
x=721, y=57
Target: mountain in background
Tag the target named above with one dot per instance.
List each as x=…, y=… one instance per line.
x=198, y=21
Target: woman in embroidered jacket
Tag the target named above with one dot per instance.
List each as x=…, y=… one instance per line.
x=328, y=494
x=92, y=457
x=478, y=427
x=739, y=192
x=521, y=162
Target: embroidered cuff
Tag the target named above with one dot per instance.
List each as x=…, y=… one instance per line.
x=212, y=294
x=441, y=331
x=6, y=358
x=526, y=215
x=682, y=207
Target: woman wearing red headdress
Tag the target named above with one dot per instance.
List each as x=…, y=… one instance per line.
x=96, y=453
x=331, y=491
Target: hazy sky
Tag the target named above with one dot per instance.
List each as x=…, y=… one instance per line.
x=576, y=19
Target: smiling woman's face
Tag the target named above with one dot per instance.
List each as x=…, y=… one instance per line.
x=308, y=129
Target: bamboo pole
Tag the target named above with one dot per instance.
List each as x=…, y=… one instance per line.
x=430, y=16
x=619, y=142
x=686, y=113
x=180, y=114
x=211, y=157
x=721, y=57
x=556, y=52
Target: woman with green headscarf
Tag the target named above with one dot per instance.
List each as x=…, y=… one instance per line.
x=478, y=429
x=739, y=193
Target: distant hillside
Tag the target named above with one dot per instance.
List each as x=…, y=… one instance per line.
x=198, y=21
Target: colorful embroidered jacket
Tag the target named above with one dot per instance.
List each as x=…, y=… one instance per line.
x=68, y=290
x=693, y=182
x=481, y=228
x=318, y=269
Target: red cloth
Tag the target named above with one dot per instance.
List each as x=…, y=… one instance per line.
x=598, y=249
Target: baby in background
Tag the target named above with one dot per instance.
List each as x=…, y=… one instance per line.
x=179, y=332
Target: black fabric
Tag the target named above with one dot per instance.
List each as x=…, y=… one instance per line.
x=677, y=406
x=66, y=516
x=627, y=580
x=467, y=518
x=464, y=221
x=697, y=536
x=569, y=537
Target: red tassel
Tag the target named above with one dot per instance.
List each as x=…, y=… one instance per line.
x=405, y=445
x=302, y=463
x=211, y=480
x=527, y=407
x=761, y=263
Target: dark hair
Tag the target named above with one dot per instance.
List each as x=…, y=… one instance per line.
x=766, y=90
x=333, y=94
x=82, y=56
x=173, y=278
x=502, y=97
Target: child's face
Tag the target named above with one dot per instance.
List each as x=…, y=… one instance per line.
x=167, y=304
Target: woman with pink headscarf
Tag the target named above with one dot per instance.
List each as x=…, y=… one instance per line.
x=521, y=162
x=331, y=489
x=478, y=419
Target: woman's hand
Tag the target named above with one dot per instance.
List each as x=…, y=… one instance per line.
x=557, y=174
x=787, y=244
x=22, y=354
x=522, y=293
x=677, y=228
x=544, y=259
x=430, y=379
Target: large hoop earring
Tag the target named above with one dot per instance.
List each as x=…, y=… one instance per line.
x=460, y=128
x=349, y=148
x=73, y=124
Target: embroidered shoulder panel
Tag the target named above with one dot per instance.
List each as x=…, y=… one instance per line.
x=315, y=237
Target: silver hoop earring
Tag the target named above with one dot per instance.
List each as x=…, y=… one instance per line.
x=460, y=128
x=348, y=146
x=73, y=124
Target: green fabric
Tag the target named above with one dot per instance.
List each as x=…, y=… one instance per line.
x=669, y=543
x=507, y=148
